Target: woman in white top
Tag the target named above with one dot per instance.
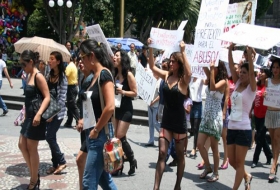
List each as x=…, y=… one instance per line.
x=272, y=118
x=239, y=134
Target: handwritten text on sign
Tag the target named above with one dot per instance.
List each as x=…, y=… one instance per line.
x=259, y=37
x=146, y=84
x=209, y=27
x=166, y=39
x=272, y=98
x=96, y=33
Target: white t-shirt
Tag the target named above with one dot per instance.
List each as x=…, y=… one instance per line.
x=196, y=90
x=241, y=103
x=156, y=93
x=133, y=59
x=2, y=66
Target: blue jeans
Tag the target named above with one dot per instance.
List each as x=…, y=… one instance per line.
x=153, y=124
x=52, y=128
x=171, y=151
x=2, y=104
x=94, y=173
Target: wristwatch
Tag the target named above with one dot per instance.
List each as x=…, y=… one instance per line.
x=95, y=130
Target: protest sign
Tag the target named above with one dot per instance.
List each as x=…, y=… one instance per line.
x=209, y=27
x=243, y=12
x=88, y=113
x=198, y=72
x=236, y=55
x=259, y=37
x=146, y=84
x=262, y=61
x=168, y=52
x=182, y=25
x=96, y=33
x=166, y=39
x=272, y=98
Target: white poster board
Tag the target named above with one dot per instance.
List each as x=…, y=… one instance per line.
x=88, y=113
x=272, y=98
x=182, y=25
x=209, y=27
x=259, y=37
x=166, y=39
x=146, y=84
x=242, y=12
x=96, y=33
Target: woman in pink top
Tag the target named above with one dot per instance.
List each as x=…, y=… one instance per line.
x=239, y=134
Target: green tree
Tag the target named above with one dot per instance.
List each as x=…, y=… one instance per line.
x=162, y=14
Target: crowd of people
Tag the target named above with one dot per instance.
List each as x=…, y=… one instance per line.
x=234, y=100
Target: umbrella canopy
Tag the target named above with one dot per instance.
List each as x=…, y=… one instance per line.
x=125, y=42
x=44, y=46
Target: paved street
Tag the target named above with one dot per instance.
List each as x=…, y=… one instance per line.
x=14, y=173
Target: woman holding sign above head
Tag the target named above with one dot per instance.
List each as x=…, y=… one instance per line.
x=174, y=118
x=212, y=121
x=239, y=134
x=126, y=87
x=272, y=118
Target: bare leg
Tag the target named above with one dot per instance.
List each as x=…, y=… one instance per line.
x=206, y=145
x=224, y=137
x=216, y=153
x=275, y=141
x=22, y=145
x=32, y=147
x=81, y=162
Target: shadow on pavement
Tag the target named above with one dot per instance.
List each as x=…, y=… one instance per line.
x=20, y=187
x=21, y=170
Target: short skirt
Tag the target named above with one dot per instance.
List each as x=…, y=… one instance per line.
x=272, y=119
x=31, y=132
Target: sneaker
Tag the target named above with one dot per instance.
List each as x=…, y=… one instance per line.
x=5, y=112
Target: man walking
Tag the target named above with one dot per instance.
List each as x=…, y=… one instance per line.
x=4, y=68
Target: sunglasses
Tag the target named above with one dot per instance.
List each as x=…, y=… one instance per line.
x=83, y=55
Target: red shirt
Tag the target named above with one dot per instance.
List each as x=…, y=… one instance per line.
x=259, y=108
x=231, y=89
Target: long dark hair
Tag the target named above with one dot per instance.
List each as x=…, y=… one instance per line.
x=273, y=61
x=61, y=68
x=246, y=8
x=100, y=51
x=125, y=63
x=28, y=55
x=179, y=58
x=222, y=73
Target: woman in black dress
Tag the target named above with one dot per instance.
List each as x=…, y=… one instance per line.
x=33, y=128
x=173, y=123
x=123, y=117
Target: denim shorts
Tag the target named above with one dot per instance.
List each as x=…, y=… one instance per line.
x=196, y=111
x=239, y=137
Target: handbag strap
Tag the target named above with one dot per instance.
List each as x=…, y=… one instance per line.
x=107, y=128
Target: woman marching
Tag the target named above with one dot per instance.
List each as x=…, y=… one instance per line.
x=95, y=58
x=33, y=128
x=212, y=122
x=57, y=83
x=174, y=118
x=239, y=134
x=126, y=86
x=272, y=119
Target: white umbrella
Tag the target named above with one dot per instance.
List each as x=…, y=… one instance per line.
x=44, y=46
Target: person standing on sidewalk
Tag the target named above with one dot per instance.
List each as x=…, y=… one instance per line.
x=123, y=114
x=57, y=83
x=72, y=92
x=4, y=68
x=33, y=129
x=133, y=58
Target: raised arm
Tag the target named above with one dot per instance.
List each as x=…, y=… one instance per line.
x=252, y=79
x=226, y=94
x=187, y=67
x=234, y=74
x=219, y=86
x=161, y=73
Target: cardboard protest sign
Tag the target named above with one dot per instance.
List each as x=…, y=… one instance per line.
x=88, y=113
x=182, y=25
x=236, y=55
x=243, y=12
x=166, y=39
x=259, y=37
x=209, y=27
x=272, y=98
x=96, y=33
x=198, y=72
x=146, y=84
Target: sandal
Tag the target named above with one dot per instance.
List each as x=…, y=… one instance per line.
x=206, y=171
x=248, y=183
x=59, y=169
x=51, y=170
x=214, y=177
